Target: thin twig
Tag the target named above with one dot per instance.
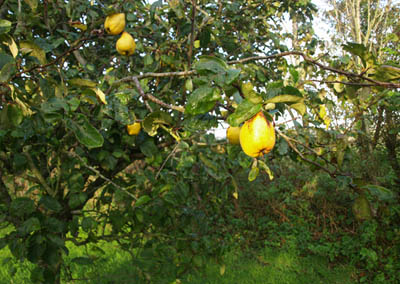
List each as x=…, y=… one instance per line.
x=166, y=160
x=154, y=99
x=73, y=154
x=141, y=92
x=288, y=140
x=192, y=35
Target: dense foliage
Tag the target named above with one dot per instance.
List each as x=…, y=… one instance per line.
x=69, y=171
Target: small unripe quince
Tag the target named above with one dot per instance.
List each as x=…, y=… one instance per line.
x=257, y=136
x=115, y=24
x=133, y=129
x=126, y=44
x=232, y=133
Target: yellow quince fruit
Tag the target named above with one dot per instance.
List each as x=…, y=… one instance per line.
x=133, y=129
x=126, y=44
x=115, y=24
x=257, y=136
x=232, y=133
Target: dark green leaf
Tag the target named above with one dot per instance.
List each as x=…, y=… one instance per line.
x=4, y=59
x=50, y=203
x=22, y=206
x=15, y=115
x=7, y=72
x=85, y=132
x=148, y=148
x=82, y=260
x=77, y=199
x=30, y=225
x=202, y=100
x=382, y=193
x=207, y=64
x=231, y=76
x=88, y=223
x=244, y=111
x=47, y=88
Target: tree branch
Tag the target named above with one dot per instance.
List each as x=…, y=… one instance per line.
x=74, y=155
x=38, y=175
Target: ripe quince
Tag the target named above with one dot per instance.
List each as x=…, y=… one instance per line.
x=232, y=133
x=115, y=24
x=126, y=44
x=133, y=129
x=257, y=136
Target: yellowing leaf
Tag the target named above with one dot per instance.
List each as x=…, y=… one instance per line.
x=222, y=269
x=235, y=195
x=80, y=26
x=82, y=82
x=31, y=48
x=11, y=45
x=299, y=107
x=266, y=169
x=100, y=95
x=322, y=111
x=285, y=99
x=196, y=43
x=322, y=114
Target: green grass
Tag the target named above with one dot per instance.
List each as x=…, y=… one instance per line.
x=273, y=266
x=264, y=266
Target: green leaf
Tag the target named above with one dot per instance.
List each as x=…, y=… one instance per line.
x=15, y=115
x=30, y=225
x=4, y=59
x=22, y=206
x=142, y=200
x=153, y=121
x=7, y=72
x=207, y=64
x=5, y=26
x=202, y=100
x=148, y=59
x=231, y=76
x=50, y=203
x=253, y=173
x=244, y=111
x=77, y=199
x=367, y=58
x=382, y=193
x=82, y=260
x=85, y=132
x=148, y=148
x=285, y=99
x=88, y=223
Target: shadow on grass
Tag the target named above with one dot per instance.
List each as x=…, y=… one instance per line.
x=267, y=266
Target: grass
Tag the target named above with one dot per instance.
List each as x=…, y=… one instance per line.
x=264, y=266
x=274, y=266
